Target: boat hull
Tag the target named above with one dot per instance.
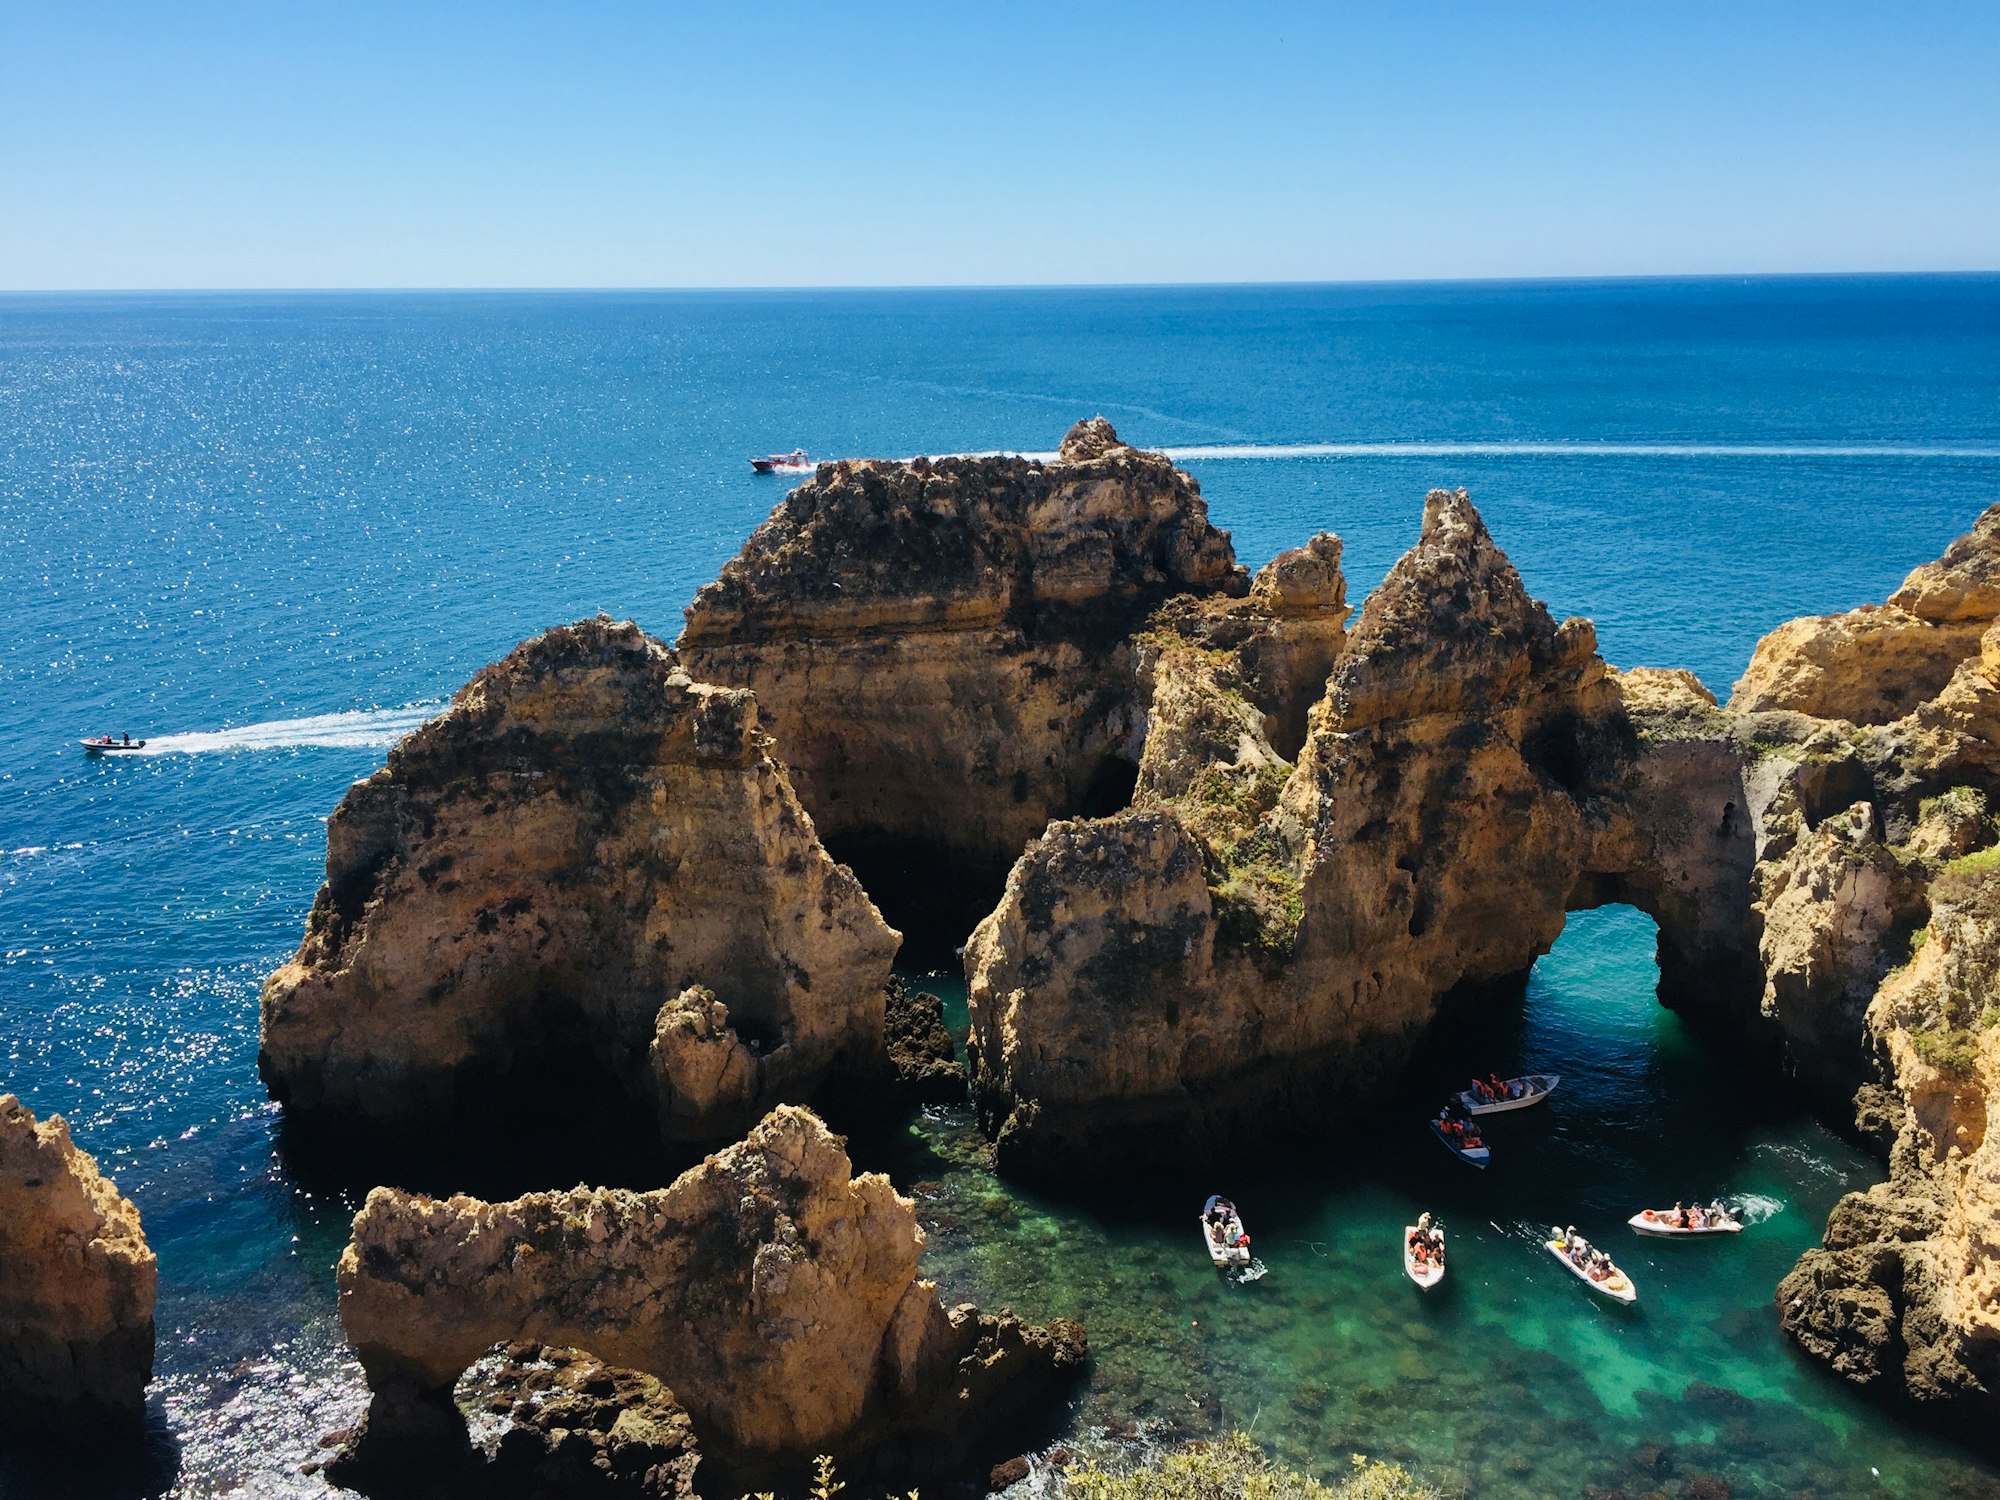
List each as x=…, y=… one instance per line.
x=95, y=747
x=1653, y=1223
x=1617, y=1287
x=1223, y=1257
x=1476, y=1156
x=1541, y=1085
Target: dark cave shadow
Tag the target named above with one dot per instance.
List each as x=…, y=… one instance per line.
x=99, y=1464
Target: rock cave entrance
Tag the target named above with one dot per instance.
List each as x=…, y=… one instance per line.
x=930, y=892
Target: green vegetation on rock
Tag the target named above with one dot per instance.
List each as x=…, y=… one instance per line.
x=1235, y=1468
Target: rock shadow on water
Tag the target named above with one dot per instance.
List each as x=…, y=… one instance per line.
x=94, y=1465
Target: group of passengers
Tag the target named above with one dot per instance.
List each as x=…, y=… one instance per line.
x=1700, y=1216
x=1585, y=1256
x=1493, y=1089
x=1225, y=1229
x=1426, y=1244
x=1456, y=1131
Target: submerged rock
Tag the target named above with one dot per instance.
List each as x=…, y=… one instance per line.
x=588, y=854
x=77, y=1283
x=774, y=1292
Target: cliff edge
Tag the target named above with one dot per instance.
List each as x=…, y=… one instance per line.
x=77, y=1283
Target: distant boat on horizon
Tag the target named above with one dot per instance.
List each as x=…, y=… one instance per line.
x=795, y=462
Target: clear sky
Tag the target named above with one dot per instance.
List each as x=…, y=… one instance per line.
x=625, y=144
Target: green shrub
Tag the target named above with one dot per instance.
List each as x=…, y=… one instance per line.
x=1949, y=1049
x=1979, y=862
x=1235, y=1468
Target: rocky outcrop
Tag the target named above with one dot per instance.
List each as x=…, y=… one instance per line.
x=921, y=1050
x=1879, y=662
x=77, y=1283
x=588, y=856
x=1905, y=1294
x=1254, y=942
x=774, y=1292
x=533, y=1421
x=940, y=647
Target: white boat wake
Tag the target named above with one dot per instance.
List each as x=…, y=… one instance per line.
x=1757, y=1207
x=1211, y=451
x=356, y=729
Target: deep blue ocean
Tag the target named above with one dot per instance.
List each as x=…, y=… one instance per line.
x=272, y=532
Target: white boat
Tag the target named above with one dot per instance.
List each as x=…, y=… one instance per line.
x=1226, y=1243
x=794, y=462
x=1477, y=1156
x=1617, y=1285
x=1535, y=1087
x=1659, y=1222
x=104, y=744
x=1427, y=1275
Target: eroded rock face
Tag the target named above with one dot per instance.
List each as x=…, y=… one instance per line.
x=1255, y=942
x=775, y=1292
x=1879, y=662
x=77, y=1283
x=940, y=647
x=1905, y=1294
x=587, y=853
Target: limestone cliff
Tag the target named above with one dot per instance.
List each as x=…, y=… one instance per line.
x=588, y=855
x=1877, y=663
x=1905, y=1295
x=76, y=1285
x=1254, y=942
x=940, y=647
x=776, y=1293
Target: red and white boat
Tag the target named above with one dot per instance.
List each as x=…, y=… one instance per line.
x=795, y=462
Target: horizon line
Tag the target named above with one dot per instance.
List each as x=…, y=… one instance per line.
x=1584, y=279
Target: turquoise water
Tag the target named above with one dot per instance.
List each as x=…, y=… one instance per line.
x=1511, y=1379
x=275, y=530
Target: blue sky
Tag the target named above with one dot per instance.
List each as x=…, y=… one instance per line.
x=618, y=144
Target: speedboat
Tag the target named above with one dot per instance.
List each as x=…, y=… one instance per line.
x=794, y=462
x=1431, y=1272
x=1477, y=1156
x=1660, y=1222
x=1613, y=1283
x=1532, y=1089
x=1223, y=1237
x=106, y=744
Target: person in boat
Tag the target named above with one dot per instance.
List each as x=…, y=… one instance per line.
x=1498, y=1087
x=1721, y=1212
x=1679, y=1217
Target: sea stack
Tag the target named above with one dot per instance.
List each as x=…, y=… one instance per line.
x=772, y=1290
x=941, y=648
x=591, y=858
x=77, y=1283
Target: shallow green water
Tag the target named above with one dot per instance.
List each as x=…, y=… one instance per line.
x=1512, y=1379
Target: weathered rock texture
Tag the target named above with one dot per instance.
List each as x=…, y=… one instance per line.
x=1878, y=662
x=1905, y=1296
x=773, y=1291
x=920, y=1048
x=588, y=854
x=1256, y=942
x=76, y=1285
x=940, y=647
